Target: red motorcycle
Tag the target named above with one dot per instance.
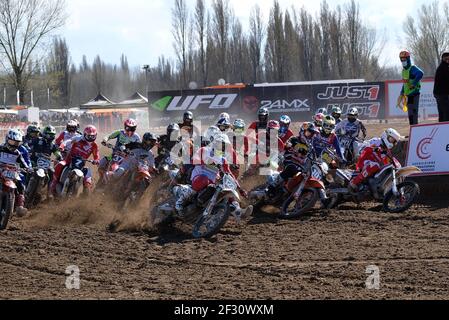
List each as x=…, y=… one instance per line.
x=8, y=177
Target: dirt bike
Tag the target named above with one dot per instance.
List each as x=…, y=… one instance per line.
x=302, y=190
x=133, y=185
x=72, y=178
x=208, y=212
x=389, y=186
x=305, y=189
x=9, y=176
x=114, y=162
x=38, y=181
x=352, y=148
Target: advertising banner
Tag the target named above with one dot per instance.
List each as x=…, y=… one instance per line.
x=427, y=104
x=429, y=148
x=300, y=102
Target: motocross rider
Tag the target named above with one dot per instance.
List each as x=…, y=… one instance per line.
x=373, y=159
x=224, y=124
x=297, y=149
x=72, y=131
x=80, y=147
x=263, y=116
x=336, y=114
x=10, y=155
x=187, y=125
x=284, y=132
x=45, y=146
x=239, y=141
x=218, y=153
x=352, y=127
x=138, y=151
x=318, y=119
x=122, y=137
x=166, y=143
x=327, y=139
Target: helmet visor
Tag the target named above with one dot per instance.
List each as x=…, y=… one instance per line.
x=13, y=143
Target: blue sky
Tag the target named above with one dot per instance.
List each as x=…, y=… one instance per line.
x=142, y=28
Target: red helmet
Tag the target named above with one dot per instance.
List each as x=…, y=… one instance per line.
x=90, y=133
x=200, y=182
x=273, y=124
x=131, y=125
x=404, y=54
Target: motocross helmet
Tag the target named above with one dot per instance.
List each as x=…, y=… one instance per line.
x=390, y=138
x=224, y=124
x=308, y=129
x=263, y=115
x=149, y=140
x=285, y=122
x=173, y=132
x=322, y=110
x=33, y=131
x=336, y=113
x=239, y=126
x=225, y=115
x=318, y=119
x=221, y=144
x=49, y=133
x=353, y=115
x=72, y=126
x=130, y=126
x=14, y=139
x=329, y=125
x=302, y=148
x=405, y=58
x=187, y=118
x=90, y=134
x=209, y=135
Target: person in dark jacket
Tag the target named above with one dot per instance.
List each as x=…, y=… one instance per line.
x=441, y=88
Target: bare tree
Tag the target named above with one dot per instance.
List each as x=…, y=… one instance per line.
x=180, y=25
x=427, y=37
x=275, y=47
x=201, y=25
x=59, y=64
x=256, y=38
x=24, y=25
x=220, y=31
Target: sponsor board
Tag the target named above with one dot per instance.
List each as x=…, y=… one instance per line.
x=427, y=104
x=429, y=148
x=300, y=102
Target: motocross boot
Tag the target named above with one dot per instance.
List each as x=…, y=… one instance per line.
x=21, y=211
x=183, y=194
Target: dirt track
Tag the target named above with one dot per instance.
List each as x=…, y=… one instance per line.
x=323, y=256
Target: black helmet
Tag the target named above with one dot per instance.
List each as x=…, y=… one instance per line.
x=33, y=129
x=173, y=131
x=49, y=133
x=149, y=140
x=263, y=115
x=188, y=117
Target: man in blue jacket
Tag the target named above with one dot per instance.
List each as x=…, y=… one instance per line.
x=412, y=76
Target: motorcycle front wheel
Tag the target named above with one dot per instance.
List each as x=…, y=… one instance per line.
x=408, y=194
x=6, y=209
x=295, y=208
x=208, y=226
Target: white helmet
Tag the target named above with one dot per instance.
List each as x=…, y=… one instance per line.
x=353, y=112
x=225, y=115
x=210, y=134
x=13, y=139
x=390, y=138
x=221, y=140
x=322, y=110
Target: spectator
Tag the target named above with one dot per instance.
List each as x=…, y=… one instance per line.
x=412, y=77
x=441, y=88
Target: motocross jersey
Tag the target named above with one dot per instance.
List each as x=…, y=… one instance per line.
x=291, y=156
x=191, y=129
x=351, y=129
x=24, y=151
x=321, y=142
x=373, y=156
x=206, y=162
x=122, y=138
x=9, y=157
x=42, y=146
x=286, y=136
x=82, y=149
x=66, y=136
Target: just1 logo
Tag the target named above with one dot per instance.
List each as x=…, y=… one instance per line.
x=370, y=110
x=284, y=105
x=370, y=92
x=180, y=103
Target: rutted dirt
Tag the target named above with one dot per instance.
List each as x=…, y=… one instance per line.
x=322, y=256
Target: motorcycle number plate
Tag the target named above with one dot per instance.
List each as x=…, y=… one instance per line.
x=9, y=174
x=229, y=183
x=117, y=158
x=316, y=173
x=43, y=163
x=346, y=143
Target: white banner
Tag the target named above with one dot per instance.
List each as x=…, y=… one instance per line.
x=429, y=148
x=427, y=104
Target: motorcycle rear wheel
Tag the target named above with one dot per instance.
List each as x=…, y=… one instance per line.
x=207, y=227
x=6, y=209
x=305, y=203
x=409, y=193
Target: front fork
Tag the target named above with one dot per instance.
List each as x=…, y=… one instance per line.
x=395, y=185
x=212, y=203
